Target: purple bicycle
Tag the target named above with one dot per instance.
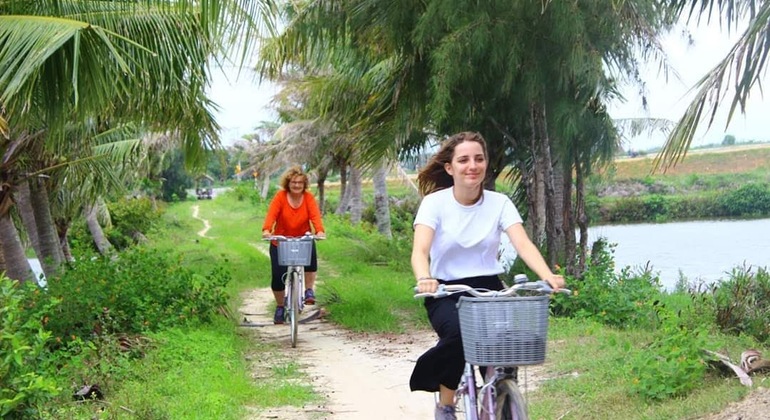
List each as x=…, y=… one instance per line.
x=501, y=331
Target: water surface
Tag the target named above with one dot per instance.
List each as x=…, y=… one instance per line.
x=701, y=250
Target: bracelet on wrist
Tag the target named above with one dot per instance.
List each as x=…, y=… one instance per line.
x=425, y=278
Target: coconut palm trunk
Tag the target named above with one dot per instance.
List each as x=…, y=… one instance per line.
x=27, y=214
x=51, y=256
x=581, y=217
x=381, y=205
x=101, y=242
x=355, y=201
x=544, y=163
x=16, y=264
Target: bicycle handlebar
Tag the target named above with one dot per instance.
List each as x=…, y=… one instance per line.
x=444, y=290
x=306, y=237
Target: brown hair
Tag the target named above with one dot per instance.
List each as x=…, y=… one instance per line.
x=433, y=176
x=290, y=174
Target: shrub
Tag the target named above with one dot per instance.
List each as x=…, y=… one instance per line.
x=402, y=211
x=743, y=303
x=143, y=291
x=131, y=218
x=748, y=200
x=673, y=364
x=696, y=207
x=245, y=191
x=24, y=384
x=624, y=210
x=621, y=300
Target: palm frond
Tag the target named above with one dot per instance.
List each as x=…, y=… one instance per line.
x=740, y=70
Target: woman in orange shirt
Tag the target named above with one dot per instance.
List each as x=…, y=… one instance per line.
x=292, y=212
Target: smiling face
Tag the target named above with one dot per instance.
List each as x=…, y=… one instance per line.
x=468, y=165
x=297, y=184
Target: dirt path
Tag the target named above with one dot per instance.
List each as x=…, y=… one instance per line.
x=206, y=224
x=361, y=376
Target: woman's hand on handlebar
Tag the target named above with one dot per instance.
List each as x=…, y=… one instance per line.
x=266, y=234
x=427, y=286
x=320, y=235
x=556, y=282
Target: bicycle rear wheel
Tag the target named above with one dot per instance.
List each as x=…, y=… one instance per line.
x=510, y=403
x=294, y=302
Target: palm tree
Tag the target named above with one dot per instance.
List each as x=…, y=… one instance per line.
x=739, y=70
x=109, y=62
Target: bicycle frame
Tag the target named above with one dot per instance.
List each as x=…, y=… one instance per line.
x=483, y=404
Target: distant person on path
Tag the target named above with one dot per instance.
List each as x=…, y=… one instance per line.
x=292, y=212
x=456, y=239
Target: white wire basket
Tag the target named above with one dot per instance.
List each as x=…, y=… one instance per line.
x=504, y=331
x=295, y=252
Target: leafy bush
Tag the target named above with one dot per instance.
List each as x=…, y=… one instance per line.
x=624, y=211
x=703, y=197
x=24, y=383
x=621, y=300
x=673, y=364
x=131, y=218
x=696, y=207
x=748, y=200
x=245, y=191
x=743, y=303
x=402, y=211
x=143, y=291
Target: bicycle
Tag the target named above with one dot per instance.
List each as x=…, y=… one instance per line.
x=294, y=253
x=500, y=331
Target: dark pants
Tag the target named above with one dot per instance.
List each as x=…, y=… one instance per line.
x=277, y=284
x=443, y=364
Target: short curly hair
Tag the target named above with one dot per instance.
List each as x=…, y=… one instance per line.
x=292, y=173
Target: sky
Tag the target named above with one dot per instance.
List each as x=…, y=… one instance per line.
x=668, y=99
x=245, y=103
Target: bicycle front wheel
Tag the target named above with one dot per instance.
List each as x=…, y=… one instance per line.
x=294, y=302
x=510, y=404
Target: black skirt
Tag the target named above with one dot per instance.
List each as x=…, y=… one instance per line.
x=443, y=364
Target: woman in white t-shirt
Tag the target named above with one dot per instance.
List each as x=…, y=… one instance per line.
x=456, y=240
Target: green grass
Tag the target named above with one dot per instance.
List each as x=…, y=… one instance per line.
x=202, y=374
x=591, y=378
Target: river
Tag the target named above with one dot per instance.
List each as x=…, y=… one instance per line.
x=701, y=250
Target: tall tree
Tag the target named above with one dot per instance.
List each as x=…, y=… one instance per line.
x=518, y=60
x=381, y=204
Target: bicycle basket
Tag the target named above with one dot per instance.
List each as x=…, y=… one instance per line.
x=504, y=331
x=294, y=252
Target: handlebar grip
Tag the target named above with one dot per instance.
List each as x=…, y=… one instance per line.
x=440, y=292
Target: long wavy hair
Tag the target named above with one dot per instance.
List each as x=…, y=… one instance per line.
x=292, y=173
x=433, y=176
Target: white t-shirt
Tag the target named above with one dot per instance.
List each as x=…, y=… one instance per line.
x=466, y=238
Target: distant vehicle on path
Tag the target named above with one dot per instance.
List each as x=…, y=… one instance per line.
x=203, y=187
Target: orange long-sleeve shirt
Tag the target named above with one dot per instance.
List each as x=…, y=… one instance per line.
x=283, y=219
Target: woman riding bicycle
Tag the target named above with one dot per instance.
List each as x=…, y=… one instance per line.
x=292, y=212
x=456, y=240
